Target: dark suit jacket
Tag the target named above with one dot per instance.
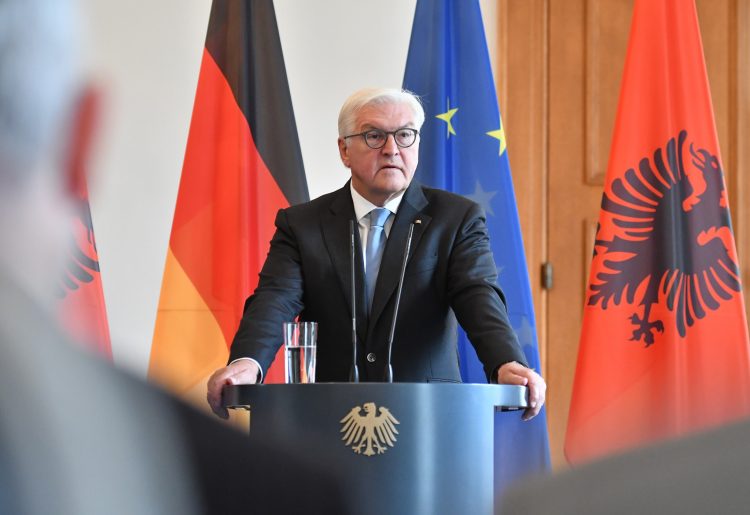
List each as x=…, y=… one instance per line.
x=450, y=276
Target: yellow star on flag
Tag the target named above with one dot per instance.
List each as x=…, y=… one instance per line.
x=446, y=117
x=499, y=135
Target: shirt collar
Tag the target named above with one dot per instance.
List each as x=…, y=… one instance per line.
x=362, y=206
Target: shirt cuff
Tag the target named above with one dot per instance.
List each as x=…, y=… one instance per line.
x=260, y=369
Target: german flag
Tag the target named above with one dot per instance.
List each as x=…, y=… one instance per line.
x=242, y=164
x=664, y=344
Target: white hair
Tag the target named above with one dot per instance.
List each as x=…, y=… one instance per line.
x=39, y=76
x=377, y=96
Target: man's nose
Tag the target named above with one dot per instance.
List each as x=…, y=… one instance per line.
x=390, y=148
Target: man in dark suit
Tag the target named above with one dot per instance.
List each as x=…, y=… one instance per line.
x=450, y=275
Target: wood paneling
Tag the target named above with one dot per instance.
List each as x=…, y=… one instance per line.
x=607, y=27
x=523, y=101
x=571, y=203
x=715, y=22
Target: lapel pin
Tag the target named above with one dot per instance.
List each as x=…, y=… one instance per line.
x=417, y=221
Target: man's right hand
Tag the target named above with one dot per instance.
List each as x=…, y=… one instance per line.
x=243, y=371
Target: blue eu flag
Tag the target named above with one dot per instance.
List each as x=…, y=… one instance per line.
x=462, y=150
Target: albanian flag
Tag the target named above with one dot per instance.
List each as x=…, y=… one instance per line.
x=82, y=312
x=664, y=342
x=242, y=164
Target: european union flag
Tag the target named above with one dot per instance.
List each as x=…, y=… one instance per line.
x=463, y=150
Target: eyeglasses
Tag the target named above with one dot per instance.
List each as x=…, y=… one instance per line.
x=376, y=138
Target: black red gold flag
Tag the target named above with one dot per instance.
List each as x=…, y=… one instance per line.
x=242, y=164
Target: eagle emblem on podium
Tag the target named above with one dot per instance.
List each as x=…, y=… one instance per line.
x=371, y=433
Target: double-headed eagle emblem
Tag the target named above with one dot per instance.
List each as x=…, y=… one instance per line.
x=369, y=433
x=673, y=251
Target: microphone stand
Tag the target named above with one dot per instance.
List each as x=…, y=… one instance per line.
x=354, y=372
x=388, y=375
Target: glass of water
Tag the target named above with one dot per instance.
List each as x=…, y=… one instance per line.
x=300, y=341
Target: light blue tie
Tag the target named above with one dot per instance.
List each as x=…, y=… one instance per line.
x=374, y=252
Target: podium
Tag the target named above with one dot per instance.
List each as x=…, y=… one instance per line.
x=412, y=448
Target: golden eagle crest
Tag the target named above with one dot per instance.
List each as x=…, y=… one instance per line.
x=369, y=432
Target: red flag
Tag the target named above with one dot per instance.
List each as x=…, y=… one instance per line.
x=664, y=342
x=82, y=312
x=242, y=164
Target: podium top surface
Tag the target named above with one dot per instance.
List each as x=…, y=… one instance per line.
x=503, y=397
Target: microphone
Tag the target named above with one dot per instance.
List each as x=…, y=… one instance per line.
x=354, y=372
x=388, y=375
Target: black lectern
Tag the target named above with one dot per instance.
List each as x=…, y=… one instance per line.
x=398, y=448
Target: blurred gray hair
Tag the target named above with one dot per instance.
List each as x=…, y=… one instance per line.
x=39, y=75
x=377, y=96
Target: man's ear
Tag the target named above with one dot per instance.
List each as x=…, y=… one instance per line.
x=344, y=152
x=83, y=124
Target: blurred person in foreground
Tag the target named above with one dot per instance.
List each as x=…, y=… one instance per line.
x=697, y=474
x=71, y=436
x=450, y=277
x=76, y=435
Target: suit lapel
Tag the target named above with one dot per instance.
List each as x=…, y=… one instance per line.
x=335, y=226
x=390, y=268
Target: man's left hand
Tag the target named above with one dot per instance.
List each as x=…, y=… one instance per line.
x=515, y=373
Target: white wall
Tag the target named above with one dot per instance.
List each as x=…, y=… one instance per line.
x=146, y=57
